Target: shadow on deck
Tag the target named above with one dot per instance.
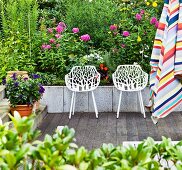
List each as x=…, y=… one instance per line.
x=92, y=132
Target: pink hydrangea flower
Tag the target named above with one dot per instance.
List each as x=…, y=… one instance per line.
x=62, y=24
x=113, y=27
x=58, y=36
x=52, y=40
x=50, y=30
x=57, y=45
x=85, y=37
x=142, y=11
x=48, y=47
x=123, y=45
x=43, y=46
x=75, y=30
x=59, y=29
x=138, y=17
x=126, y=33
x=153, y=20
x=156, y=24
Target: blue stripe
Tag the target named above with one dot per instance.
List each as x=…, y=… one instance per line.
x=154, y=60
x=152, y=85
x=172, y=20
x=169, y=106
x=168, y=100
x=178, y=63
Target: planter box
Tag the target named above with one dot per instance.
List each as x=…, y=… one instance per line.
x=58, y=100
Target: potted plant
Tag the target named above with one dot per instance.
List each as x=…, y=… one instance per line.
x=22, y=93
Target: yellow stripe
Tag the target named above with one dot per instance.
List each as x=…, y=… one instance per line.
x=168, y=95
x=166, y=79
x=178, y=44
x=157, y=42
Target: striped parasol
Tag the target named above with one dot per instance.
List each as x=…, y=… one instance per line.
x=166, y=61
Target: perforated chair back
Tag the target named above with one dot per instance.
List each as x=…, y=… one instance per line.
x=130, y=78
x=81, y=79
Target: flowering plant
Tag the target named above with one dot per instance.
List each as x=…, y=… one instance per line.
x=23, y=91
x=132, y=39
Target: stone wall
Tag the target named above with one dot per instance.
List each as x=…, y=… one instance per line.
x=58, y=100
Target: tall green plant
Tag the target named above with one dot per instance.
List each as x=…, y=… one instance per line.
x=19, y=24
x=92, y=17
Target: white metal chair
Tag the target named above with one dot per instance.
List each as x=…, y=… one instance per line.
x=82, y=79
x=130, y=78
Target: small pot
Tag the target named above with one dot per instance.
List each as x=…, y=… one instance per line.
x=18, y=73
x=23, y=110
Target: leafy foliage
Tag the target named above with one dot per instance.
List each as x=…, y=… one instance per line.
x=19, y=148
x=19, y=25
x=24, y=30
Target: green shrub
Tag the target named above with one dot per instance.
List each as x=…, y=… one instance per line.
x=52, y=11
x=92, y=17
x=19, y=148
x=19, y=24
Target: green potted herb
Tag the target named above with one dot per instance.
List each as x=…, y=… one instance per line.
x=22, y=93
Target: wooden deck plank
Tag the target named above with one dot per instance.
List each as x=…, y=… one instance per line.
x=143, y=131
x=152, y=129
x=132, y=130
x=121, y=129
x=100, y=133
x=92, y=132
x=81, y=128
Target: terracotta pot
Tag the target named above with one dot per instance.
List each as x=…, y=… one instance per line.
x=23, y=110
x=37, y=105
x=18, y=73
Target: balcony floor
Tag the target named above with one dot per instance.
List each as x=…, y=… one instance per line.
x=92, y=132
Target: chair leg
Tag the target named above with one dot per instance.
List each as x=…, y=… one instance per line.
x=74, y=100
x=71, y=107
x=141, y=103
x=95, y=106
x=119, y=104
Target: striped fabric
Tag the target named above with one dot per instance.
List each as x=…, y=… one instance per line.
x=166, y=61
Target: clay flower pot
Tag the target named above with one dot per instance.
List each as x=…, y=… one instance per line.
x=23, y=110
x=18, y=73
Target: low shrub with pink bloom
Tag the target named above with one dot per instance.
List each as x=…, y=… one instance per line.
x=138, y=17
x=58, y=36
x=142, y=11
x=153, y=20
x=156, y=24
x=113, y=27
x=59, y=29
x=75, y=30
x=85, y=37
x=52, y=41
x=58, y=45
x=45, y=46
x=126, y=33
x=50, y=30
x=62, y=24
x=123, y=45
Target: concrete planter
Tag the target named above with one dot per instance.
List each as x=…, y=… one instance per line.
x=58, y=100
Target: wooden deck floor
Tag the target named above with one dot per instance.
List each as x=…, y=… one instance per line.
x=92, y=132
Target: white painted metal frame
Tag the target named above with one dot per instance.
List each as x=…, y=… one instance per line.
x=82, y=79
x=130, y=78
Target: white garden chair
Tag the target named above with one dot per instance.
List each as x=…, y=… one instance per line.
x=82, y=79
x=130, y=78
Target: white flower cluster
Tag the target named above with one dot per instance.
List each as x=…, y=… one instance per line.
x=93, y=56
